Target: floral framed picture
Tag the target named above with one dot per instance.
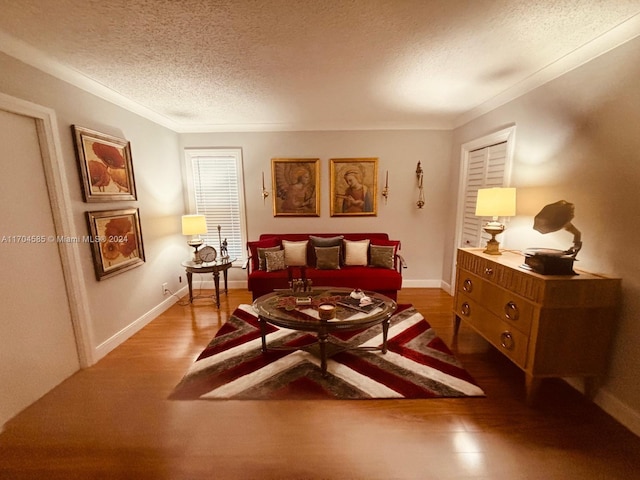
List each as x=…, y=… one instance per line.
x=116, y=241
x=353, y=186
x=105, y=166
x=296, y=187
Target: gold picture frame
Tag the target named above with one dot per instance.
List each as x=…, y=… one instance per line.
x=116, y=241
x=105, y=164
x=353, y=187
x=296, y=187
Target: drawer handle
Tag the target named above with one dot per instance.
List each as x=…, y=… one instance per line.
x=507, y=341
x=511, y=311
x=467, y=286
x=488, y=271
x=466, y=309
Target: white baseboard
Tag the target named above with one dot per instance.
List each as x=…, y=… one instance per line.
x=620, y=411
x=421, y=283
x=110, y=344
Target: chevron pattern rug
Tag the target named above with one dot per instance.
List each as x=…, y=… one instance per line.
x=417, y=364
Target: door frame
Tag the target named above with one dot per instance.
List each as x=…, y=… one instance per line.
x=60, y=200
x=508, y=135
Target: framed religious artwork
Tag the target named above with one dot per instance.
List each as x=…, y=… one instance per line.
x=353, y=186
x=296, y=187
x=106, y=167
x=116, y=241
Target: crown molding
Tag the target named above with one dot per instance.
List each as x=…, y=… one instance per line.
x=622, y=33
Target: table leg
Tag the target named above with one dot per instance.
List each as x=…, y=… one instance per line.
x=263, y=333
x=322, y=342
x=189, y=282
x=385, y=334
x=216, y=282
x=226, y=290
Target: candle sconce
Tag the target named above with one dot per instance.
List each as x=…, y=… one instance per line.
x=420, y=175
x=385, y=190
x=265, y=192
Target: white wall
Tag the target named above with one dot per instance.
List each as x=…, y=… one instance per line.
x=578, y=140
x=420, y=231
x=120, y=305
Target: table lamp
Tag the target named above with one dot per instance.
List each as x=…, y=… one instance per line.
x=194, y=225
x=494, y=203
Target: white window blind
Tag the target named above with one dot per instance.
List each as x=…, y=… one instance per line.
x=216, y=192
x=486, y=168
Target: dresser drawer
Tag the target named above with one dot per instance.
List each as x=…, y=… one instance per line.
x=510, y=308
x=510, y=341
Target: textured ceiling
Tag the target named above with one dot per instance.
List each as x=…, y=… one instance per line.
x=198, y=65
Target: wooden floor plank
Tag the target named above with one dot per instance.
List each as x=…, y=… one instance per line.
x=114, y=421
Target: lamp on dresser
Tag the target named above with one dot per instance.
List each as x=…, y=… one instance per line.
x=494, y=203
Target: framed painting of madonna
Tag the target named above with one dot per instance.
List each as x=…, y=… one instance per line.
x=105, y=166
x=353, y=184
x=296, y=187
x=116, y=241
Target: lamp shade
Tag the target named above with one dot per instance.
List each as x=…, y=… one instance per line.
x=194, y=224
x=496, y=202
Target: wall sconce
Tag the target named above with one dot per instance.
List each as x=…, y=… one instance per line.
x=385, y=190
x=495, y=202
x=194, y=225
x=420, y=175
x=265, y=192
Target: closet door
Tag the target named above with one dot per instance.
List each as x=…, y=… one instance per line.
x=486, y=168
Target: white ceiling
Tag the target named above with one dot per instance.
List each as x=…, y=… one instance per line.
x=250, y=65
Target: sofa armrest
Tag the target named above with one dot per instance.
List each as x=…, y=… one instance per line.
x=400, y=263
x=247, y=265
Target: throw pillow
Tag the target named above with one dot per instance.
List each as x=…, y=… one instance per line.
x=355, y=252
x=295, y=253
x=326, y=241
x=253, y=249
x=382, y=256
x=274, y=260
x=327, y=258
x=262, y=263
x=315, y=241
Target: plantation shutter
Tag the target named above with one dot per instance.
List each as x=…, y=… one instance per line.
x=486, y=168
x=217, y=194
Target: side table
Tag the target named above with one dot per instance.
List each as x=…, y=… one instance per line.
x=215, y=267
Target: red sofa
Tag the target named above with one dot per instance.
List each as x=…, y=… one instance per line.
x=386, y=279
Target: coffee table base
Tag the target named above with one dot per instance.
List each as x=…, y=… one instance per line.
x=322, y=340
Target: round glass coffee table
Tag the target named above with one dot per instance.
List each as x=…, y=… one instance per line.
x=300, y=311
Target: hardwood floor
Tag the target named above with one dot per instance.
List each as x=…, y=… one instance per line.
x=114, y=421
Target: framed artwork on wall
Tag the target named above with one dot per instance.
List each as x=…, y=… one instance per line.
x=116, y=241
x=296, y=187
x=105, y=165
x=353, y=186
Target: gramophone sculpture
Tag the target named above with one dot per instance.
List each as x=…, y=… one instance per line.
x=547, y=261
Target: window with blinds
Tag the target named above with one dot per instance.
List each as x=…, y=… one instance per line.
x=486, y=168
x=215, y=190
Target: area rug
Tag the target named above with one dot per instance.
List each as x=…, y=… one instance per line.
x=417, y=364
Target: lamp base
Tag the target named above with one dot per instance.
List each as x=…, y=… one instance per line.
x=493, y=247
x=196, y=244
x=493, y=229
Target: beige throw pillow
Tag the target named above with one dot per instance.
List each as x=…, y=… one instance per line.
x=355, y=252
x=295, y=253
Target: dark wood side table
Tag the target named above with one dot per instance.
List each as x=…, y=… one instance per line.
x=215, y=267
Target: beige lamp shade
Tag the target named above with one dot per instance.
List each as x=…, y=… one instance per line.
x=194, y=224
x=496, y=202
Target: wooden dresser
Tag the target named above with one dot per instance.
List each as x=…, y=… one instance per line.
x=548, y=325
